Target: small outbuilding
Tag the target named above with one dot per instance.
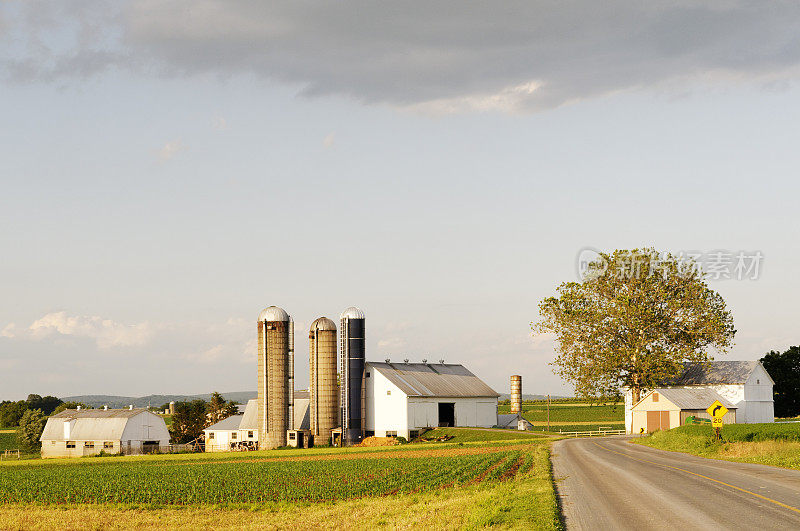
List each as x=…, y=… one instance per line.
x=667, y=408
x=80, y=432
x=403, y=398
x=240, y=432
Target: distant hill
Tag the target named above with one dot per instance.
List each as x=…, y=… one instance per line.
x=116, y=402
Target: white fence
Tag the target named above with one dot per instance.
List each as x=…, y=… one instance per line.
x=597, y=433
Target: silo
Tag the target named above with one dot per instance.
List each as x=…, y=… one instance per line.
x=516, y=393
x=324, y=388
x=352, y=359
x=275, y=376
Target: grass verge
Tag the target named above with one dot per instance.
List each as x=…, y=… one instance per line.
x=766, y=444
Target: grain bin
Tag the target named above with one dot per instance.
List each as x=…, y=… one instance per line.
x=275, y=376
x=352, y=359
x=516, y=393
x=324, y=388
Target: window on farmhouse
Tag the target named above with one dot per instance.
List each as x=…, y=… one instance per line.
x=655, y=397
x=70, y=444
x=250, y=434
x=211, y=435
x=108, y=444
x=389, y=392
x=88, y=444
x=233, y=435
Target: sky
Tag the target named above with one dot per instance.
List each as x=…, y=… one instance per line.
x=170, y=169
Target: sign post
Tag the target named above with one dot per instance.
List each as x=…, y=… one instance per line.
x=717, y=411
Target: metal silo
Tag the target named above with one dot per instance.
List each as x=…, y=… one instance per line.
x=275, y=376
x=324, y=386
x=516, y=393
x=352, y=359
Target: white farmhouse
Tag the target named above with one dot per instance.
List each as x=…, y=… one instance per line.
x=743, y=384
x=402, y=398
x=79, y=432
x=240, y=432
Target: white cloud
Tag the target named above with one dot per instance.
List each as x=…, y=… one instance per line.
x=170, y=149
x=506, y=100
x=105, y=332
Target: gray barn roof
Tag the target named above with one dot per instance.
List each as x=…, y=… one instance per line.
x=91, y=424
x=249, y=420
x=714, y=372
x=423, y=379
x=691, y=398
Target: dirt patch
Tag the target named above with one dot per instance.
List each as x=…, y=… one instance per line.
x=378, y=441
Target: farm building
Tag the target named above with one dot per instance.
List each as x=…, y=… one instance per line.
x=670, y=407
x=79, y=432
x=513, y=421
x=402, y=398
x=743, y=384
x=240, y=432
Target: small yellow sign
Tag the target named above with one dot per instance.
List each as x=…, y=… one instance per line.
x=717, y=410
x=717, y=422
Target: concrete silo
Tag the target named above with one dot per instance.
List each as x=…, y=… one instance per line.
x=324, y=387
x=275, y=376
x=516, y=393
x=352, y=359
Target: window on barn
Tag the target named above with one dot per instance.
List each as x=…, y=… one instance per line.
x=655, y=397
x=108, y=444
x=367, y=374
x=292, y=435
x=233, y=435
x=88, y=444
x=391, y=434
x=70, y=444
x=250, y=434
x=211, y=435
x=389, y=392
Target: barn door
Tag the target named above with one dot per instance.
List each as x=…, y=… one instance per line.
x=653, y=421
x=665, y=420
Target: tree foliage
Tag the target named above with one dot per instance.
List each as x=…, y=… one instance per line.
x=632, y=320
x=46, y=404
x=31, y=426
x=11, y=413
x=188, y=421
x=219, y=409
x=785, y=371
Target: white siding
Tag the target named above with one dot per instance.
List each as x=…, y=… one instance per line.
x=145, y=427
x=386, y=406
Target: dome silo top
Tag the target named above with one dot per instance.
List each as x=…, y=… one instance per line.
x=273, y=313
x=323, y=323
x=353, y=313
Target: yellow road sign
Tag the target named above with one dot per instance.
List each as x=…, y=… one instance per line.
x=717, y=422
x=717, y=410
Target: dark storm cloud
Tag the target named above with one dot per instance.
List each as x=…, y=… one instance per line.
x=450, y=55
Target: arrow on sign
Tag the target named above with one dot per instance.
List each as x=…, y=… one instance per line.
x=717, y=408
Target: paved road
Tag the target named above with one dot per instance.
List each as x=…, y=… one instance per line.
x=608, y=483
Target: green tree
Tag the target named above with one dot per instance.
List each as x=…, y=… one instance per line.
x=47, y=404
x=218, y=408
x=31, y=426
x=785, y=371
x=631, y=321
x=11, y=413
x=188, y=421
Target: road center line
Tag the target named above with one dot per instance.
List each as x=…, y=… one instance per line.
x=776, y=502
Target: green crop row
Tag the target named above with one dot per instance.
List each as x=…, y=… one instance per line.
x=244, y=482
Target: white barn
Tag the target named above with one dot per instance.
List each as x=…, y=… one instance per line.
x=239, y=432
x=744, y=384
x=402, y=398
x=80, y=432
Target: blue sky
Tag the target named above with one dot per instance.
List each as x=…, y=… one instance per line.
x=170, y=171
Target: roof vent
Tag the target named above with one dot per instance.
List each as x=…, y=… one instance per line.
x=405, y=360
x=387, y=360
x=105, y=408
x=441, y=361
x=130, y=407
x=424, y=360
x=79, y=408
